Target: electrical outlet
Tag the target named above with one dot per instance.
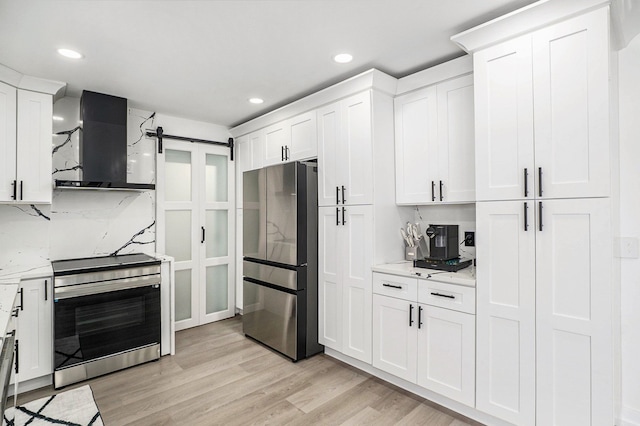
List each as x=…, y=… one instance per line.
x=469, y=239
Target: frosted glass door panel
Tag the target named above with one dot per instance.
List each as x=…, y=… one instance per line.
x=217, y=238
x=183, y=294
x=217, y=288
x=216, y=182
x=178, y=231
x=177, y=175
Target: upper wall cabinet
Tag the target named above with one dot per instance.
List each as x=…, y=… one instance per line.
x=291, y=140
x=542, y=113
x=25, y=145
x=345, y=157
x=435, y=144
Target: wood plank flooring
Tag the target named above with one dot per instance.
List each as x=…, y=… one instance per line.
x=219, y=377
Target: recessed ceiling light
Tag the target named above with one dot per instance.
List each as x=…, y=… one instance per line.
x=57, y=118
x=343, y=58
x=256, y=100
x=68, y=53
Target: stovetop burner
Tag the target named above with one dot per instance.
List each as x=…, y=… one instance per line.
x=72, y=266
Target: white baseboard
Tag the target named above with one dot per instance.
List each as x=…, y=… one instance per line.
x=456, y=406
x=33, y=384
x=629, y=417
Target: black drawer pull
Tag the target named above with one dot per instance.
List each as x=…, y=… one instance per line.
x=448, y=296
x=399, y=287
x=410, y=315
x=540, y=181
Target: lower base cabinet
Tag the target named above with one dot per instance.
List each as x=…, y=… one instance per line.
x=430, y=346
x=35, y=329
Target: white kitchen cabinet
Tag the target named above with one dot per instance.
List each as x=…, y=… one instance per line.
x=8, y=99
x=435, y=144
x=35, y=329
x=544, y=311
x=506, y=311
x=395, y=336
x=446, y=353
x=574, y=337
x=344, y=279
x=542, y=113
x=25, y=143
x=276, y=138
x=345, y=152
x=428, y=345
x=291, y=140
x=416, y=142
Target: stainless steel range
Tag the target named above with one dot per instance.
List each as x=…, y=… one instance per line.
x=106, y=315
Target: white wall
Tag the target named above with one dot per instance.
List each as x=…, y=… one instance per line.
x=629, y=80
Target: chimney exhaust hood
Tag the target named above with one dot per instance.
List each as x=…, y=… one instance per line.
x=103, y=144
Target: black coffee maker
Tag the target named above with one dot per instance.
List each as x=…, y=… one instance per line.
x=444, y=249
x=443, y=242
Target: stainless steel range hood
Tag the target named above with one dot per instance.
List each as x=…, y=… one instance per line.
x=103, y=144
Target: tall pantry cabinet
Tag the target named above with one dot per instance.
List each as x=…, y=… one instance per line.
x=356, y=208
x=544, y=223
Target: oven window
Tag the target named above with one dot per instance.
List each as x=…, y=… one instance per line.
x=94, y=326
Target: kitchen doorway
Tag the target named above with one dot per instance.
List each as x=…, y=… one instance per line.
x=195, y=195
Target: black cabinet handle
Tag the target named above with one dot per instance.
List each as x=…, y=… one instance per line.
x=46, y=290
x=540, y=215
x=282, y=153
x=399, y=287
x=343, y=200
x=17, y=356
x=410, y=314
x=526, y=185
x=526, y=224
x=286, y=152
x=15, y=314
x=440, y=190
x=203, y=234
x=433, y=191
x=419, y=317
x=15, y=189
x=337, y=216
x=337, y=195
x=540, y=181
x=448, y=296
x=343, y=211
x=21, y=299
x=21, y=190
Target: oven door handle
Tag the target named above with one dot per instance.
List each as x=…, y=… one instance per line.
x=105, y=286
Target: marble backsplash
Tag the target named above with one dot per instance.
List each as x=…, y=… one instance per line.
x=84, y=223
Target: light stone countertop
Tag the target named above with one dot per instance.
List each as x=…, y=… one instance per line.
x=465, y=277
x=41, y=270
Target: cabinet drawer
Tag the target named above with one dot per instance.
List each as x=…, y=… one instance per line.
x=395, y=286
x=450, y=296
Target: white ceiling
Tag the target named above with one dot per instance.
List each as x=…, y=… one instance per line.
x=203, y=59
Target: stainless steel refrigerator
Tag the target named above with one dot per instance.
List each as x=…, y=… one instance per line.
x=280, y=265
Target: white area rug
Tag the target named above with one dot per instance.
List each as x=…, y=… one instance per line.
x=75, y=407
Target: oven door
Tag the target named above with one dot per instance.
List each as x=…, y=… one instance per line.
x=94, y=326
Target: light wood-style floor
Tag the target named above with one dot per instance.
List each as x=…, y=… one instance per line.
x=219, y=377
